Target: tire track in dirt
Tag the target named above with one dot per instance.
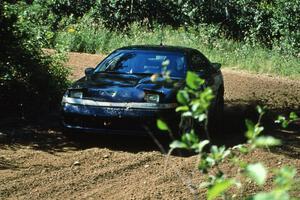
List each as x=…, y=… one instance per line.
x=89, y=179
x=126, y=176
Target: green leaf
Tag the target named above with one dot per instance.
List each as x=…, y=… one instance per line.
x=283, y=121
x=280, y=119
x=284, y=177
x=193, y=80
x=274, y=195
x=201, y=117
x=165, y=63
x=285, y=124
x=263, y=196
x=258, y=130
x=190, y=138
x=187, y=114
x=219, y=188
x=250, y=125
x=214, y=149
x=202, y=144
x=183, y=97
x=242, y=148
x=250, y=129
x=257, y=172
x=266, y=141
x=178, y=145
x=203, y=166
x=293, y=116
x=260, y=110
x=182, y=108
x=226, y=153
x=162, y=125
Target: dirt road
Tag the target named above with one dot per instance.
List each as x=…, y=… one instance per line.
x=38, y=162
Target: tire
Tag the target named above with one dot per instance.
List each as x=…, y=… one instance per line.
x=215, y=124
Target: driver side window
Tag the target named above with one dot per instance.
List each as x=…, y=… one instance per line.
x=199, y=62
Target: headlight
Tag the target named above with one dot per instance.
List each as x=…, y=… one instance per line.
x=76, y=94
x=152, y=98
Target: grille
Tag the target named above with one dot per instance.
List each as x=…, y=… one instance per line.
x=111, y=124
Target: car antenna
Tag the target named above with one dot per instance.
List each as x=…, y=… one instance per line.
x=162, y=35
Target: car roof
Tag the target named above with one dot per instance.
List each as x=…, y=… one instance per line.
x=158, y=48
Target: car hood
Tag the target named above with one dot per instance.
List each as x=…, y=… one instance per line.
x=127, y=87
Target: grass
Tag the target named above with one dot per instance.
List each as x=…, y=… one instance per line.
x=232, y=54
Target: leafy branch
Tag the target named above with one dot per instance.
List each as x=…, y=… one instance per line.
x=194, y=104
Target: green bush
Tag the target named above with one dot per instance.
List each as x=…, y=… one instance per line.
x=273, y=24
x=84, y=37
x=260, y=36
x=30, y=81
x=286, y=26
x=120, y=14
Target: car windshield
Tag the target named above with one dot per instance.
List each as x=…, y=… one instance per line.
x=144, y=62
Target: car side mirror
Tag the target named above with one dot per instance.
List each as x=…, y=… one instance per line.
x=89, y=72
x=217, y=66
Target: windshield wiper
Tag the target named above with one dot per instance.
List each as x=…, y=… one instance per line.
x=144, y=73
x=109, y=72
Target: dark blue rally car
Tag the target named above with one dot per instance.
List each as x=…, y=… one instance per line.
x=127, y=92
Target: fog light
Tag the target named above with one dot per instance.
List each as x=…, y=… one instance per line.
x=152, y=98
x=76, y=94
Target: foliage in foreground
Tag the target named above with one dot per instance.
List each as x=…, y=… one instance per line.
x=219, y=184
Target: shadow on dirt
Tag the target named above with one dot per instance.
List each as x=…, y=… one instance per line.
x=45, y=135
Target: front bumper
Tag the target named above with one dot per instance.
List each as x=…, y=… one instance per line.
x=109, y=117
